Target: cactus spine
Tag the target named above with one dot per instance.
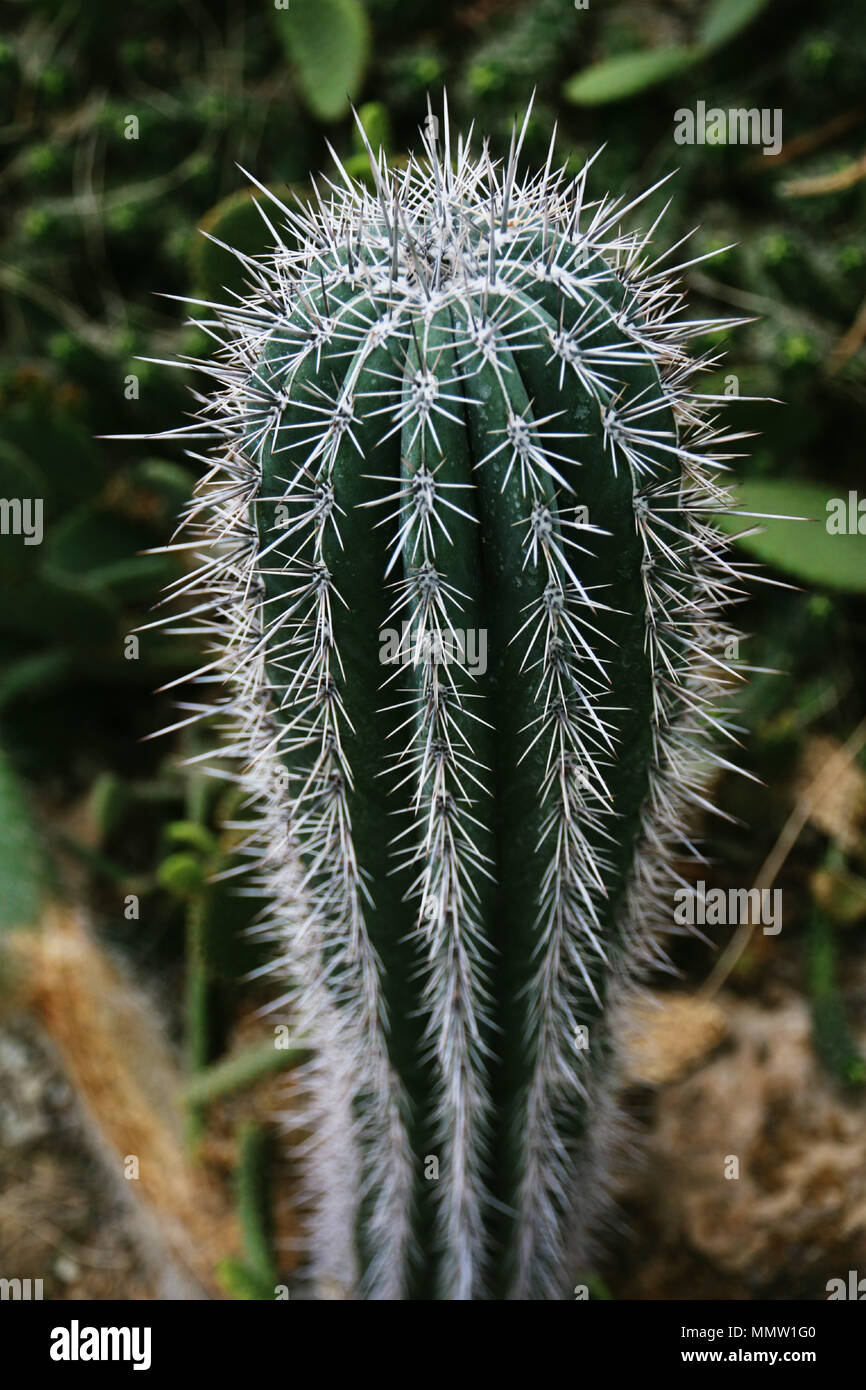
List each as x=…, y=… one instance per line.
x=461, y=402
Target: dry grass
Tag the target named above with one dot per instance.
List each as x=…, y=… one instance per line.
x=128, y=1085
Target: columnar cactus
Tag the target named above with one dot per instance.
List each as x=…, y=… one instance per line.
x=453, y=418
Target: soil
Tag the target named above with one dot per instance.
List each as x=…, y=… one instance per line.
x=747, y=1178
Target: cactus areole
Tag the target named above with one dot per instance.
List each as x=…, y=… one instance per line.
x=454, y=415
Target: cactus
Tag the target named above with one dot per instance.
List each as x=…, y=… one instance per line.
x=461, y=402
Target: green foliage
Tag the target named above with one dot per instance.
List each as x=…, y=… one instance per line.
x=242, y=1283
x=374, y=119
x=627, y=74
x=241, y=1070
x=255, y=1275
x=805, y=549
x=724, y=19
x=107, y=802
x=252, y=1183
x=78, y=585
x=328, y=42
x=182, y=874
x=23, y=875
x=834, y=1041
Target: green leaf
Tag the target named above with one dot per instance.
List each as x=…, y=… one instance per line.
x=102, y=551
x=627, y=74
x=376, y=125
x=328, y=42
x=188, y=832
x=106, y=803
x=240, y=1282
x=242, y=1070
x=93, y=537
x=835, y=1044
x=252, y=1187
x=357, y=166
x=138, y=577
x=22, y=865
x=725, y=19
x=40, y=672
x=805, y=550
x=182, y=875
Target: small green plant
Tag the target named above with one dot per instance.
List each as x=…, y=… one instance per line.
x=463, y=596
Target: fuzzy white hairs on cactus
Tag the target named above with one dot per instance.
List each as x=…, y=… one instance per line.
x=429, y=386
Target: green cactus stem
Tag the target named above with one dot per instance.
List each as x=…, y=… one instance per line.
x=462, y=596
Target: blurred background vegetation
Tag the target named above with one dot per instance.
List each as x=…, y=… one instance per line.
x=124, y=132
